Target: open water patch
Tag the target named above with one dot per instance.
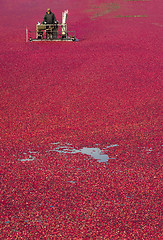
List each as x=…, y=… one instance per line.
x=96, y=153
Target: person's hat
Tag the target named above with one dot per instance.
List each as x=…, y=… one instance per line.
x=48, y=10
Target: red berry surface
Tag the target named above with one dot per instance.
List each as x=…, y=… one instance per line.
x=81, y=122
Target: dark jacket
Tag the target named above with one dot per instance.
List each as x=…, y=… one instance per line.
x=49, y=18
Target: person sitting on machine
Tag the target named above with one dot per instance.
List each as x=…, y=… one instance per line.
x=50, y=18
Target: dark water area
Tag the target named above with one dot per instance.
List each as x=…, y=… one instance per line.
x=81, y=138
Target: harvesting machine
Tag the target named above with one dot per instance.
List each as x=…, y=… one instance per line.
x=51, y=32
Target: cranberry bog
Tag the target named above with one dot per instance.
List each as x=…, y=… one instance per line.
x=80, y=122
